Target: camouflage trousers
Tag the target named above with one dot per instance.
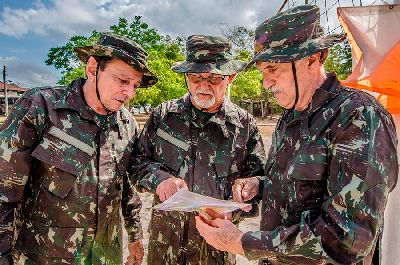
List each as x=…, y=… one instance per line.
x=170, y=243
x=24, y=258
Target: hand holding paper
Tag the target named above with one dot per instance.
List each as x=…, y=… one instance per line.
x=186, y=201
x=245, y=189
x=169, y=186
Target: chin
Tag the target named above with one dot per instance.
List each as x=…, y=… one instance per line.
x=115, y=108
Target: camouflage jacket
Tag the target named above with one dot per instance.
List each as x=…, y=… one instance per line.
x=66, y=188
x=208, y=157
x=328, y=175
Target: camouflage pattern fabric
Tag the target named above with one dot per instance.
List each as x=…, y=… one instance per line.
x=209, y=156
x=208, y=54
x=111, y=45
x=69, y=202
x=291, y=35
x=328, y=175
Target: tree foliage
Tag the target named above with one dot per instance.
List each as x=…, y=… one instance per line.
x=339, y=61
x=164, y=51
x=240, y=37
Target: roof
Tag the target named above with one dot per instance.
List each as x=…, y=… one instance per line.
x=12, y=87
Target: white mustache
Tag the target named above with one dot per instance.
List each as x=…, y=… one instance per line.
x=121, y=98
x=207, y=92
x=275, y=89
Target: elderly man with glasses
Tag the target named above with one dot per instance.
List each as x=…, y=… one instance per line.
x=201, y=142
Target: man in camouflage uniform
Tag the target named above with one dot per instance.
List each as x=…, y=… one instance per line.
x=332, y=162
x=202, y=142
x=63, y=164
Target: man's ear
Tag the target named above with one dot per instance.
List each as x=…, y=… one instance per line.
x=91, y=67
x=232, y=77
x=313, y=59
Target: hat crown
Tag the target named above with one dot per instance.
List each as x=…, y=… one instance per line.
x=122, y=43
x=202, y=48
x=294, y=26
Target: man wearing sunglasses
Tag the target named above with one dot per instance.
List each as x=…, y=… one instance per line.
x=201, y=142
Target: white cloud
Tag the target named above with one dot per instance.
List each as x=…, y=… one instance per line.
x=177, y=18
x=28, y=74
x=62, y=19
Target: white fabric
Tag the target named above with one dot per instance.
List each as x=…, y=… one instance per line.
x=365, y=23
x=391, y=232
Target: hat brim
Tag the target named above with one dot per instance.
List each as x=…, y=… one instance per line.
x=220, y=67
x=294, y=52
x=149, y=79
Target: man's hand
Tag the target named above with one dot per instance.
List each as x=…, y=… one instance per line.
x=211, y=214
x=244, y=189
x=136, y=252
x=169, y=187
x=221, y=234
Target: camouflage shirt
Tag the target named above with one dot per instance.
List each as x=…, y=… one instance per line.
x=209, y=155
x=328, y=175
x=66, y=180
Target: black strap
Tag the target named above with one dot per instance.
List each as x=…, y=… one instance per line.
x=296, y=85
x=97, y=91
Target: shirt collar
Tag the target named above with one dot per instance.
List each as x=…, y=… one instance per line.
x=328, y=90
x=227, y=113
x=74, y=99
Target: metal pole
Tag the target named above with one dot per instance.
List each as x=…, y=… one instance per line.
x=5, y=90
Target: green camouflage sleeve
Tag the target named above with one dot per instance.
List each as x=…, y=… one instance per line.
x=18, y=135
x=131, y=205
x=256, y=158
x=362, y=169
x=255, y=166
x=148, y=172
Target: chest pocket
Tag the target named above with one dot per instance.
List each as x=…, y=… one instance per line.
x=65, y=158
x=227, y=170
x=306, y=181
x=169, y=150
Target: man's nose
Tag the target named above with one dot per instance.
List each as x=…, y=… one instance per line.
x=204, y=83
x=129, y=90
x=268, y=82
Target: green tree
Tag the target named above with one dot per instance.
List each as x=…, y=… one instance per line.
x=339, y=60
x=162, y=50
x=240, y=37
x=65, y=59
x=170, y=85
x=248, y=84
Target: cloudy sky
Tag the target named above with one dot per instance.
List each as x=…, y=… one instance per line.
x=28, y=29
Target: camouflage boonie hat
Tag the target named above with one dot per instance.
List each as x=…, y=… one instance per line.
x=292, y=35
x=111, y=45
x=208, y=54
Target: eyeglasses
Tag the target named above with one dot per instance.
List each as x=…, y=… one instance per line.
x=213, y=79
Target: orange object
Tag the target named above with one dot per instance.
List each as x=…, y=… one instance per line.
x=374, y=36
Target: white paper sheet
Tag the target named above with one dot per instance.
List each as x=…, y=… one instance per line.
x=186, y=201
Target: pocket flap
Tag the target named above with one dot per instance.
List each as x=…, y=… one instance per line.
x=63, y=151
x=170, y=150
x=62, y=161
x=310, y=165
x=50, y=241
